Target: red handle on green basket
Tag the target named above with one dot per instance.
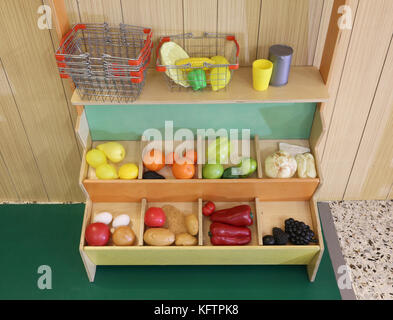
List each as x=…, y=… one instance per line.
x=236, y=66
x=163, y=39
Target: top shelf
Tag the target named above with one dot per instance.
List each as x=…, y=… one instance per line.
x=305, y=85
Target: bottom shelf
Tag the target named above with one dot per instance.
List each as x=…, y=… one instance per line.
x=266, y=216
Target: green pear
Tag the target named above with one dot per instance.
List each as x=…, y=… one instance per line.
x=113, y=150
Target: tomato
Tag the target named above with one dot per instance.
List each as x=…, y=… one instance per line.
x=185, y=170
x=155, y=217
x=208, y=208
x=192, y=155
x=154, y=160
x=97, y=234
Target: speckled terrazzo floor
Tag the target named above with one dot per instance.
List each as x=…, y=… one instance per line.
x=365, y=233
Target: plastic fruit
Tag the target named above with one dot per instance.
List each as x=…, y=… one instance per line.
x=171, y=52
x=219, y=150
x=219, y=77
x=170, y=158
x=128, y=171
x=123, y=236
x=192, y=155
x=154, y=160
x=113, y=150
x=106, y=172
x=155, y=217
x=212, y=171
x=95, y=158
x=97, y=234
x=247, y=167
x=184, y=170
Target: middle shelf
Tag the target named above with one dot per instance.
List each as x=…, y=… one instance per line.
x=171, y=189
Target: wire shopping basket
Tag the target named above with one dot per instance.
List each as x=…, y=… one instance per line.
x=105, y=62
x=216, y=54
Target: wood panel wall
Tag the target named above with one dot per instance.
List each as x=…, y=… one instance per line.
x=40, y=155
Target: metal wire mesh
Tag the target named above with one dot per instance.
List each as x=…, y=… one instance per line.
x=217, y=76
x=106, y=63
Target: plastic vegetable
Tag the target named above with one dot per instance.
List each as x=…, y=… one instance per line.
x=97, y=234
x=152, y=175
x=208, y=208
x=280, y=165
x=236, y=216
x=197, y=79
x=123, y=236
x=155, y=217
x=231, y=173
x=194, y=62
x=247, y=167
x=224, y=234
x=306, y=165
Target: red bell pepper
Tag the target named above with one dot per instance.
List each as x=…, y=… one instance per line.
x=237, y=216
x=224, y=234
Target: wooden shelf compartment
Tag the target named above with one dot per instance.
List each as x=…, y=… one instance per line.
x=204, y=253
x=305, y=85
x=266, y=189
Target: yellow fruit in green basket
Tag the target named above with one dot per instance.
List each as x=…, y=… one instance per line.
x=106, y=171
x=170, y=52
x=95, y=158
x=128, y=171
x=219, y=77
x=113, y=150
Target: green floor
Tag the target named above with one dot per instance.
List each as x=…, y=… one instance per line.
x=34, y=235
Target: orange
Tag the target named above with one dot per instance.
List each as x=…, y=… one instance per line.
x=192, y=155
x=154, y=160
x=183, y=171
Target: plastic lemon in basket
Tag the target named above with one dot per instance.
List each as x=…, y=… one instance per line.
x=171, y=52
x=113, y=150
x=220, y=76
x=106, y=171
x=95, y=158
x=128, y=171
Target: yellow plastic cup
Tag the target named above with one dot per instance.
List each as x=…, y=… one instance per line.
x=261, y=73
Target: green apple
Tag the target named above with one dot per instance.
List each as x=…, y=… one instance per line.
x=212, y=171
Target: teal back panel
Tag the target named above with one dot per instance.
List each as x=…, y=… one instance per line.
x=268, y=120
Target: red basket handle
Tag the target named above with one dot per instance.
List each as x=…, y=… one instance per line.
x=145, y=48
x=162, y=41
x=60, y=51
x=236, y=66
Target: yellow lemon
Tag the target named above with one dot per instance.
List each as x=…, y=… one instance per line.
x=106, y=172
x=128, y=171
x=113, y=150
x=95, y=158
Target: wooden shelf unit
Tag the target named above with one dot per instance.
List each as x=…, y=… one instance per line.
x=275, y=199
x=305, y=85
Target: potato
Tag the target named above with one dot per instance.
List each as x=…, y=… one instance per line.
x=174, y=219
x=159, y=237
x=123, y=236
x=192, y=224
x=185, y=239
